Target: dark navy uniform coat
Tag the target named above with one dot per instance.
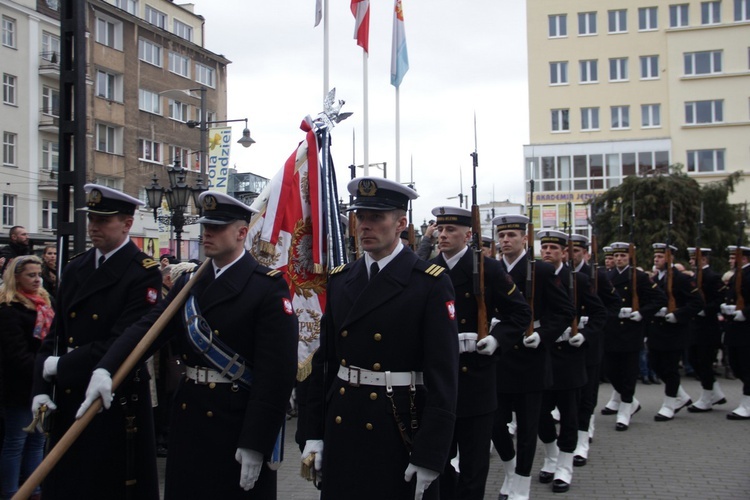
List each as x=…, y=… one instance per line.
x=666, y=336
x=476, y=376
x=629, y=334
x=738, y=332
x=611, y=301
x=402, y=320
x=246, y=307
x=94, y=307
x=522, y=369
x=705, y=330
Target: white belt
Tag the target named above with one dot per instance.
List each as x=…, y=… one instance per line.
x=204, y=376
x=359, y=376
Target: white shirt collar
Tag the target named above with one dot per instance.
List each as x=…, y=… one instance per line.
x=454, y=260
x=108, y=254
x=221, y=270
x=385, y=260
x=511, y=265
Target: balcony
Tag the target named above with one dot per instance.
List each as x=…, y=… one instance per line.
x=49, y=64
x=49, y=120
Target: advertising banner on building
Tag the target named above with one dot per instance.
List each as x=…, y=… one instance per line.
x=219, y=147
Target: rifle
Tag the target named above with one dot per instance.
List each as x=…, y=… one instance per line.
x=739, y=299
x=594, y=255
x=671, y=303
x=353, y=249
x=476, y=248
x=530, y=262
x=493, y=247
x=412, y=239
x=699, y=256
x=634, y=303
x=573, y=284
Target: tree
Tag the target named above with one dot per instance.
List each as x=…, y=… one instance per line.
x=651, y=197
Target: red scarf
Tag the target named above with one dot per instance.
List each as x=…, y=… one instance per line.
x=44, y=314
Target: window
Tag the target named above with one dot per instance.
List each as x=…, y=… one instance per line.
x=210, y=115
x=678, y=15
x=698, y=112
x=50, y=47
x=618, y=21
x=9, y=32
x=589, y=71
x=155, y=17
x=650, y=115
x=703, y=63
x=49, y=214
x=50, y=155
x=10, y=140
x=109, y=32
x=647, y=18
x=129, y=6
x=587, y=23
x=176, y=154
x=109, y=86
x=50, y=101
x=149, y=101
x=742, y=10
x=558, y=73
x=705, y=160
x=149, y=52
x=9, y=89
x=560, y=121
x=620, y=117
x=149, y=151
x=649, y=67
x=9, y=210
x=589, y=118
x=109, y=182
x=108, y=139
x=710, y=12
x=558, y=26
x=183, y=30
x=179, y=111
x=618, y=69
x=205, y=75
x=179, y=64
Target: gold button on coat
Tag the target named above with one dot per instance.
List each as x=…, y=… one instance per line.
x=183, y=406
x=373, y=396
x=94, y=317
x=209, y=414
x=343, y=362
x=73, y=314
x=463, y=321
x=377, y=337
x=338, y=420
x=467, y=295
x=368, y=426
x=70, y=340
x=212, y=385
x=342, y=390
x=376, y=366
x=464, y=369
x=344, y=333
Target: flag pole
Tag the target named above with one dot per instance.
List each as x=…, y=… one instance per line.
x=398, y=135
x=326, y=86
x=365, y=115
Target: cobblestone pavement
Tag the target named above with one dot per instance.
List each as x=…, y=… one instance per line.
x=694, y=456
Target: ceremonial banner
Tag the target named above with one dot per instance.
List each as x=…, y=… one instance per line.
x=288, y=235
x=399, y=55
x=361, y=12
x=219, y=147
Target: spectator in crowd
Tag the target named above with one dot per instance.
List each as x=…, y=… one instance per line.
x=49, y=269
x=19, y=245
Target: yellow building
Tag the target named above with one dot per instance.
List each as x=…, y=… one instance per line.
x=629, y=87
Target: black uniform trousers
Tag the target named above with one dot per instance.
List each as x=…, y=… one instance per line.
x=702, y=359
x=622, y=372
x=566, y=401
x=471, y=439
x=527, y=406
x=739, y=361
x=666, y=364
x=589, y=396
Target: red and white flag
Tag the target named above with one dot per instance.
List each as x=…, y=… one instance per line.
x=288, y=236
x=361, y=12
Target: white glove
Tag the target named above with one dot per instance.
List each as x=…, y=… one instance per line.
x=636, y=316
x=100, y=385
x=37, y=402
x=738, y=316
x=487, y=345
x=565, y=335
x=532, y=341
x=661, y=313
x=671, y=318
x=625, y=312
x=493, y=323
x=50, y=368
x=702, y=313
x=251, y=462
x=467, y=342
x=728, y=309
x=583, y=322
x=577, y=340
x=424, y=478
x=314, y=446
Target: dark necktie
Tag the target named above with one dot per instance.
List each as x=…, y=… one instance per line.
x=102, y=258
x=218, y=270
x=374, y=269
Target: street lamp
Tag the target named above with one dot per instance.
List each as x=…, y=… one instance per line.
x=178, y=196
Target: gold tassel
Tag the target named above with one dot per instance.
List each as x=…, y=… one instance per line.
x=307, y=470
x=318, y=268
x=303, y=371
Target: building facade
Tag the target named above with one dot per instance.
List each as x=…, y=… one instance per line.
x=146, y=65
x=628, y=88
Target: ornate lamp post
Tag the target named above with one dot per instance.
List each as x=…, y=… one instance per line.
x=178, y=195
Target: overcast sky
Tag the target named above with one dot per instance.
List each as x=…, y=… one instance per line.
x=464, y=57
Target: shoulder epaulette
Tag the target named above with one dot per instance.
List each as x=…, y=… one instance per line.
x=76, y=256
x=337, y=269
x=147, y=262
x=434, y=270
x=273, y=272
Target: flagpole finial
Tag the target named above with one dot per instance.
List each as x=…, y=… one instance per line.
x=331, y=114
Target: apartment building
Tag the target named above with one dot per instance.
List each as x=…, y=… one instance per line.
x=630, y=87
x=146, y=64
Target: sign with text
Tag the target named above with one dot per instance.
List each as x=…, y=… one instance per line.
x=219, y=147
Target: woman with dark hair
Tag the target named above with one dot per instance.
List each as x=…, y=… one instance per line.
x=49, y=269
x=26, y=315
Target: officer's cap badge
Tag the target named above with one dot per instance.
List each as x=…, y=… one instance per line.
x=367, y=187
x=95, y=197
x=209, y=202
